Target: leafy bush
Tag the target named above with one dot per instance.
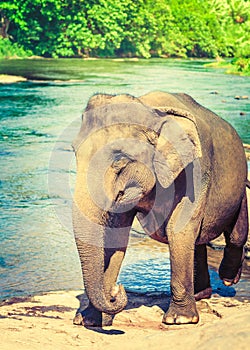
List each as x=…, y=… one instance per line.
x=240, y=66
x=8, y=49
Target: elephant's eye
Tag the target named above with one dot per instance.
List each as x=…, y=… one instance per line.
x=120, y=165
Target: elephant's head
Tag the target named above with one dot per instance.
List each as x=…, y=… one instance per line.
x=123, y=150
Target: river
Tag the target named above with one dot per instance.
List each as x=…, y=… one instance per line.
x=39, y=119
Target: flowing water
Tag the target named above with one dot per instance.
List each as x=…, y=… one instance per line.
x=39, y=119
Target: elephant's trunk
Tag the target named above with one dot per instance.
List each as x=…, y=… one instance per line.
x=98, y=259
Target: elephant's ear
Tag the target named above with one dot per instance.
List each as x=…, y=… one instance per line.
x=178, y=145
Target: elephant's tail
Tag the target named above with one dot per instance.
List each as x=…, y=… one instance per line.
x=247, y=183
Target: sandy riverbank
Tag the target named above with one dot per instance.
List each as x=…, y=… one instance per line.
x=45, y=322
x=9, y=79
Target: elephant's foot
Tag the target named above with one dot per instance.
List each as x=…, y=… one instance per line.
x=229, y=282
x=231, y=265
x=179, y=314
x=203, y=294
x=90, y=317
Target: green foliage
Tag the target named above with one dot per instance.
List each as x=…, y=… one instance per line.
x=240, y=66
x=143, y=28
x=8, y=49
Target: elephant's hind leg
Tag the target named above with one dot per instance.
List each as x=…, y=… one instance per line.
x=231, y=265
x=202, y=286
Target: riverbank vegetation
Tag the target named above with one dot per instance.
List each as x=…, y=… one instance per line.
x=238, y=65
x=127, y=28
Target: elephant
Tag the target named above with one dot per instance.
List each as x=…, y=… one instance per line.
x=181, y=171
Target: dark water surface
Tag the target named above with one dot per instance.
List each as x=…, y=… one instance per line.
x=39, y=119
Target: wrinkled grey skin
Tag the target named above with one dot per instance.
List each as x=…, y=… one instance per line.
x=182, y=171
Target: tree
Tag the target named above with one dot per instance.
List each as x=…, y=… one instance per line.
x=173, y=28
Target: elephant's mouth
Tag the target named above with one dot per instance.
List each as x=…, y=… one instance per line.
x=130, y=199
x=125, y=206
x=144, y=201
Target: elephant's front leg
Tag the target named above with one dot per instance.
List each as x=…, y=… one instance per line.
x=182, y=238
x=90, y=316
x=182, y=308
